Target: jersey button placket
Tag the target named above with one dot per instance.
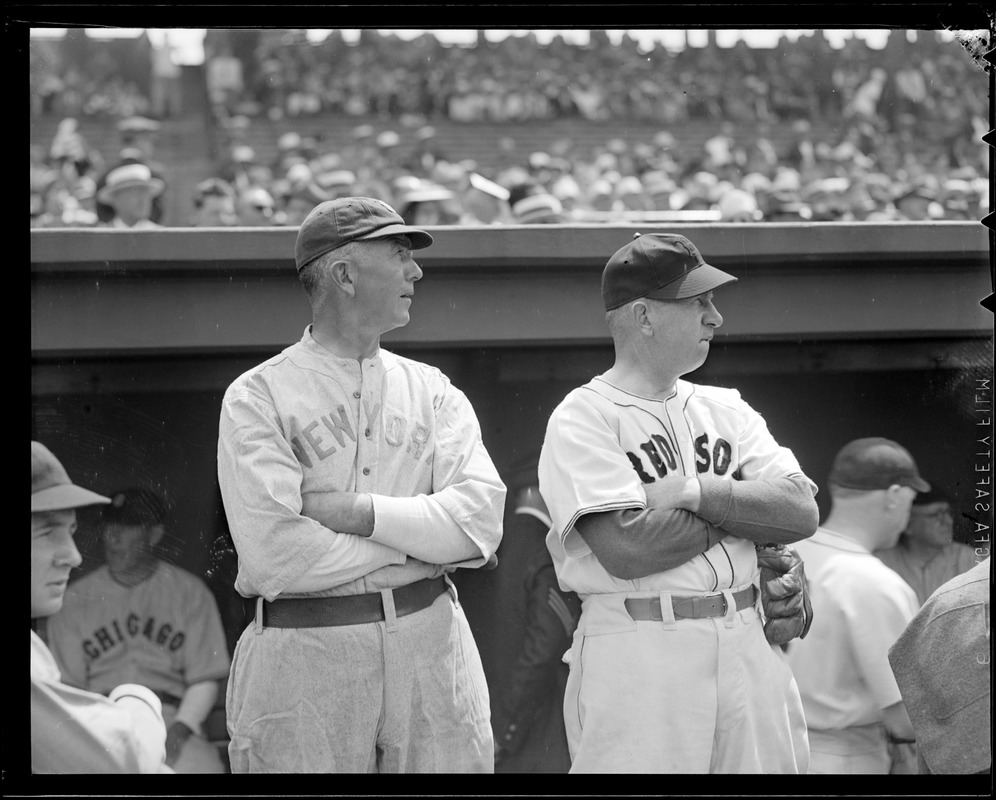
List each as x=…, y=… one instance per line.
x=366, y=450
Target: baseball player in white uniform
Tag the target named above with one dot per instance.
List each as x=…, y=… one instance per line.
x=139, y=619
x=354, y=480
x=658, y=490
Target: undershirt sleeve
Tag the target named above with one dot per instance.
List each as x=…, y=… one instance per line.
x=632, y=543
x=776, y=510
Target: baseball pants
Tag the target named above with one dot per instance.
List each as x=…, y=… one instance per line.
x=681, y=696
x=404, y=695
x=860, y=750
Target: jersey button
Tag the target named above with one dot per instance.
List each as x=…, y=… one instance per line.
x=366, y=470
x=356, y=395
x=367, y=433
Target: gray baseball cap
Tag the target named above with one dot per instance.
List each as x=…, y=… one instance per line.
x=51, y=489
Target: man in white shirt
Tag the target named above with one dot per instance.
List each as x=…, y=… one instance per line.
x=852, y=704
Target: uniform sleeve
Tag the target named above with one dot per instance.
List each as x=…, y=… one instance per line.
x=876, y=612
x=766, y=510
x=773, y=501
x=461, y=521
x=66, y=642
x=583, y=470
x=75, y=731
x=206, y=648
x=260, y=480
x=632, y=544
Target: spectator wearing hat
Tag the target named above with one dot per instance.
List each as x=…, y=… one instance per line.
x=142, y=619
x=632, y=195
x=300, y=195
x=853, y=707
x=336, y=182
x=541, y=208
x=427, y=204
x=73, y=730
x=138, y=138
x=736, y=205
x=484, y=202
x=942, y=665
x=214, y=204
x=926, y=554
x=360, y=658
x=256, y=208
x=129, y=190
x=918, y=202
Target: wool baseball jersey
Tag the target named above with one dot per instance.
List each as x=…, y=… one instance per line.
x=307, y=420
x=604, y=444
x=164, y=633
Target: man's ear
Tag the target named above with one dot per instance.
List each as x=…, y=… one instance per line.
x=893, y=496
x=156, y=533
x=342, y=276
x=641, y=318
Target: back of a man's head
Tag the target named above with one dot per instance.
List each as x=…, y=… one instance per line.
x=873, y=464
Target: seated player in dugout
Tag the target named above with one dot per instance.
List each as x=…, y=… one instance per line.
x=140, y=619
x=74, y=731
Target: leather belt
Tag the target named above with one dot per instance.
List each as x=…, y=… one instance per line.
x=691, y=607
x=354, y=609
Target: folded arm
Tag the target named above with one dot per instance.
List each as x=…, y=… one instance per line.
x=773, y=510
x=459, y=522
x=260, y=480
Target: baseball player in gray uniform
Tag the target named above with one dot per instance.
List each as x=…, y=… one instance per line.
x=354, y=481
x=659, y=491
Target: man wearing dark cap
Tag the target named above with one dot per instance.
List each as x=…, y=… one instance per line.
x=926, y=555
x=142, y=619
x=854, y=709
x=73, y=730
x=354, y=481
x=660, y=491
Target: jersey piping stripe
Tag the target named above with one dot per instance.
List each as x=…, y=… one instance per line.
x=600, y=379
x=580, y=666
x=715, y=575
x=620, y=504
x=733, y=572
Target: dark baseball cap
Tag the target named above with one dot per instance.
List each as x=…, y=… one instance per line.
x=134, y=506
x=51, y=489
x=349, y=219
x=662, y=266
x=875, y=463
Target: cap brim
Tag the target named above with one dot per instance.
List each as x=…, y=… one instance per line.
x=65, y=496
x=419, y=239
x=919, y=484
x=701, y=279
x=155, y=186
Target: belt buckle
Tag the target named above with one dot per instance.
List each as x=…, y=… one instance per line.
x=698, y=601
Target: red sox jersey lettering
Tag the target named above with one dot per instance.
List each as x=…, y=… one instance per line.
x=603, y=445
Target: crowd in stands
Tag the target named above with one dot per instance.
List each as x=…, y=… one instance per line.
x=866, y=143
x=519, y=79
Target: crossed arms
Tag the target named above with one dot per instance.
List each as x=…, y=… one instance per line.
x=686, y=516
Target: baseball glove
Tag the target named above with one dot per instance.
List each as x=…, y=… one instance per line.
x=784, y=594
